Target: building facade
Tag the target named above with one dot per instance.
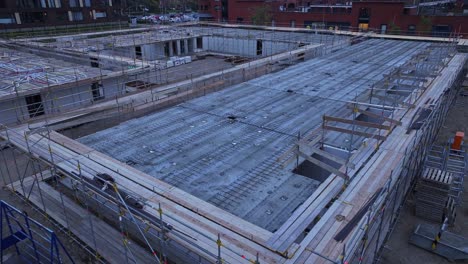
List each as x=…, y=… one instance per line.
x=428, y=18
x=16, y=14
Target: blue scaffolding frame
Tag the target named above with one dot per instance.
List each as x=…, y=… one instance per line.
x=33, y=242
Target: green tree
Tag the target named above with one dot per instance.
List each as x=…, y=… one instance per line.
x=261, y=15
x=138, y=6
x=425, y=24
x=394, y=29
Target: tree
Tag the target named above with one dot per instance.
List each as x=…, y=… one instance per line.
x=261, y=15
x=425, y=25
x=394, y=29
x=151, y=6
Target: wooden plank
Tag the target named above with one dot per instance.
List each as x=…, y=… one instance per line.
x=329, y=156
x=3, y=144
x=196, y=226
x=393, y=100
x=108, y=239
x=355, y=122
x=323, y=165
x=368, y=113
x=294, y=148
x=188, y=207
x=191, y=202
x=311, y=143
x=322, y=244
x=283, y=239
x=195, y=223
x=407, y=77
x=358, y=133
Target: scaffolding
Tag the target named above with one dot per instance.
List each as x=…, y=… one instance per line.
x=111, y=68
x=32, y=241
x=69, y=186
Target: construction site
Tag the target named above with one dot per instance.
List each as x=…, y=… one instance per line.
x=210, y=143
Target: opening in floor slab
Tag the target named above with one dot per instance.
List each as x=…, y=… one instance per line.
x=311, y=170
x=373, y=119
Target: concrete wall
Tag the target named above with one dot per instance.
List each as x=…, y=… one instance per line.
x=245, y=47
x=274, y=47
x=153, y=51
x=15, y=109
x=11, y=111
x=242, y=47
x=66, y=99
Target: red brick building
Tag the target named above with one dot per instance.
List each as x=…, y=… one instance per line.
x=428, y=18
x=42, y=13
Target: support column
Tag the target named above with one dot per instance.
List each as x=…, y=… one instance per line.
x=194, y=41
x=171, y=49
x=18, y=18
x=186, y=48
x=178, y=47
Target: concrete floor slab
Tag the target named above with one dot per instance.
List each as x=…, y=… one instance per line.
x=223, y=147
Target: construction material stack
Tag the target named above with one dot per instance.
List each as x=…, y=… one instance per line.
x=435, y=195
x=439, y=189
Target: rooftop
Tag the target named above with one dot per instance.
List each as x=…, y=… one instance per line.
x=224, y=147
x=25, y=72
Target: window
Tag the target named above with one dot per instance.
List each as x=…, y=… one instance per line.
x=190, y=45
x=200, y=43
x=364, y=16
x=101, y=2
x=240, y=20
x=35, y=106
x=182, y=46
x=97, y=91
x=259, y=47
x=94, y=62
x=411, y=29
x=166, y=49
x=138, y=52
x=51, y=4
x=293, y=23
x=61, y=16
x=33, y=17
x=7, y=19
x=102, y=14
x=77, y=16
x=73, y=3
x=27, y=3
x=383, y=29
x=87, y=3
x=364, y=13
